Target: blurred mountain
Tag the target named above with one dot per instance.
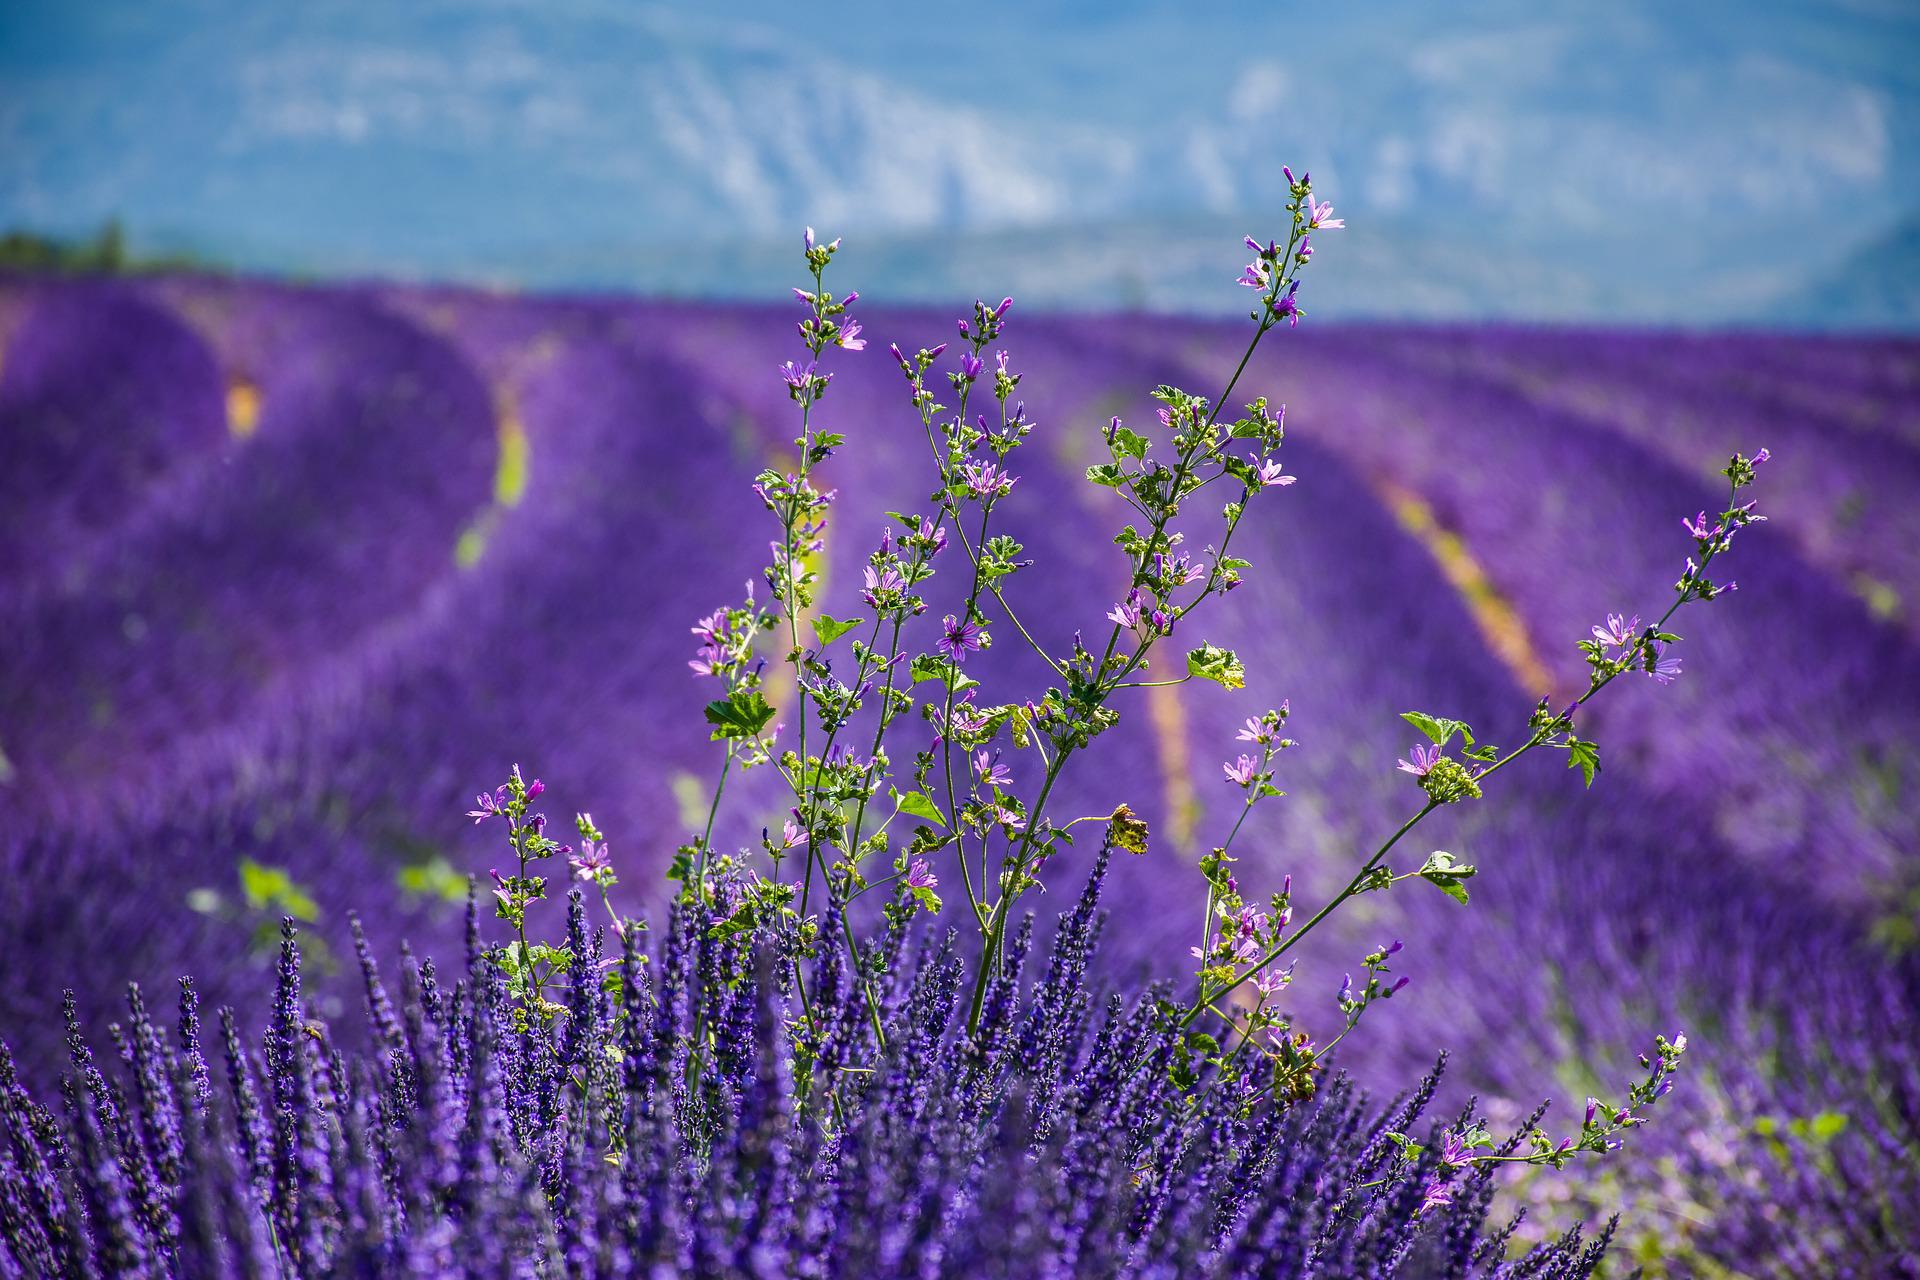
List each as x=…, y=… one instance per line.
x=1635, y=161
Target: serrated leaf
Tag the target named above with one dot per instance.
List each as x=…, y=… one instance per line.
x=1222, y=666
x=1448, y=875
x=1438, y=728
x=917, y=804
x=743, y=714
x=827, y=628
x=930, y=666
x=1106, y=473
x=1130, y=444
x=1584, y=756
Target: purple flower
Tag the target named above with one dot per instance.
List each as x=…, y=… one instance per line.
x=792, y=834
x=1254, y=275
x=987, y=766
x=970, y=365
x=1288, y=305
x=1665, y=670
x=1273, y=978
x=534, y=788
x=987, y=480
x=1242, y=772
x=958, y=639
x=1437, y=1194
x=1253, y=731
x=934, y=533
x=848, y=338
x=592, y=859
x=883, y=581
x=1269, y=472
x=1425, y=756
x=797, y=376
x=1761, y=457
x=1698, y=527
x=1618, y=631
x=490, y=806
x=1317, y=216
x=920, y=876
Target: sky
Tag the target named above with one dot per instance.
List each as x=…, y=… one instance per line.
x=1713, y=162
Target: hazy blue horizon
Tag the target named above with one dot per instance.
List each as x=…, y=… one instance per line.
x=1750, y=164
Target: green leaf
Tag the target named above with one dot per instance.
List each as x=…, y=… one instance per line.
x=1827, y=1125
x=827, y=628
x=929, y=666
x=273, y=889
x=1127, y=830
x=1106, y=473
x=742, y=715
x=1584, y=756
x=741, y=921
x=434, y=878
x=1448, y=875
x=1438, y=728
x=1129, y=444
x=917, y=804
x=1222, y=666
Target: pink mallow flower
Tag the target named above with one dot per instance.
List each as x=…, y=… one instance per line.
x=592, y=859
x=958, y=639
x=1436, y=1195
x=491, y=806
x=1698, y=527
x=986, y=764
x=1618, y=631
x=920, y=876
x=1425, y=756
x=1318, y=218
x=1269, y=472
x=1242, y=772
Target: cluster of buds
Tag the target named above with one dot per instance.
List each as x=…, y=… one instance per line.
x=1353, y=1001
x=1240, y=933
x=1445, y=779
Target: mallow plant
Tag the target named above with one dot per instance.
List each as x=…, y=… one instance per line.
x=833, y=1056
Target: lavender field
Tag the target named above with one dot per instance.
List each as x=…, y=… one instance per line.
x=291, y=572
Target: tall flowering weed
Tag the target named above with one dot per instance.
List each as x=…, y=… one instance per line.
x=784, y=1079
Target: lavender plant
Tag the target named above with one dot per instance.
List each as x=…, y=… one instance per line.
x=777, y=1074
